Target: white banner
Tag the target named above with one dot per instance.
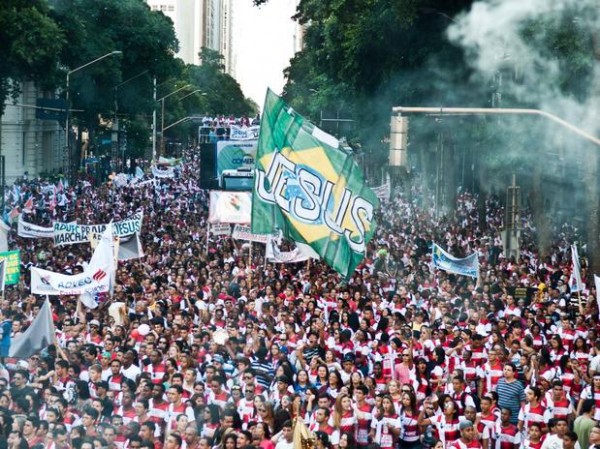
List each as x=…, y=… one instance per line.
x=220, y=229
x=230, y=207
x=170, y=161
x=301, y=253
x=241, y=232
x=163, y=171
x=32, y=231
x=97, y=276
x=384, y=191
x=44, y=282
x=69, y=233
x=247, y=133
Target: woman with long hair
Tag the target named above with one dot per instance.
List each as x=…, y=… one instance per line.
x=557, y=349
x=409, y=419
x=302, y=383
x=344, y=417
x=266, y=415
x=228, y=441
x=211, y=420
x=347, y=441
x=263, y=435
x=439, y=370
x=385, y=427
x=334, y=385
x=422, y=384
x=445, y=423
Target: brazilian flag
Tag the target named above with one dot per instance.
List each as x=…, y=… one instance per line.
x=310, y=189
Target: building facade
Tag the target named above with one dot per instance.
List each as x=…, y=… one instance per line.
x=30, y=145
x=199, y=23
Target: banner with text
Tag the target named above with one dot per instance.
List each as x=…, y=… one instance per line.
x=220, y=229
x=467, y=266
x=69, y=233
x=230, y=207
x=163, y=171
x=241, y=232
x=235, y=155
x=13, y=266
x=244, y=133
x=32, y=231
x=301, y=253
x=309, y=188
x=44, y=282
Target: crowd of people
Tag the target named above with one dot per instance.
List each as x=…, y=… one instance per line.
x=219, y=127
x=202, y=347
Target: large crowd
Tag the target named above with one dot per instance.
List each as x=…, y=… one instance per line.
x=202, y=347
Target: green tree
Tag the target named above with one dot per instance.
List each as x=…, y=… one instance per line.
x=30, y=45
x=223, y=93
x=147, y=40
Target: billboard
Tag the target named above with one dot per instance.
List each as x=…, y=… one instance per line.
x=233, y=155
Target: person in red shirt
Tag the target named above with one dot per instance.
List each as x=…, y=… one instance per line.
x=507, y=434
x=344, y=417
x=467, y=438
x=534, y=437
x=363, y=415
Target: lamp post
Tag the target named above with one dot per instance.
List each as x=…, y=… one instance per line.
x=115, y=125
x=162, y=114
x=67, y=143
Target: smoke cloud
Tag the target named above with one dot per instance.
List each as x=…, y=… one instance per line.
x=530, y=38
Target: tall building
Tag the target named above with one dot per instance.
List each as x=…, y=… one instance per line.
x=30, y=145
x=199, y=23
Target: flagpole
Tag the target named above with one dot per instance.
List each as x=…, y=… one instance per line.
x=250, y=266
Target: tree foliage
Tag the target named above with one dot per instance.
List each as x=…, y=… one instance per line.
x=30, y=45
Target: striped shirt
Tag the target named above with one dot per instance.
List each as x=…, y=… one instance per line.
x=510, y=396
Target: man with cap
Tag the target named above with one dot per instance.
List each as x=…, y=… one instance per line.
x=348, y=367
x=467, y=437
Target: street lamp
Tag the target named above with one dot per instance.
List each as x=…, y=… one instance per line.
x=115, y=124
x=162, y=116
x=67, y=143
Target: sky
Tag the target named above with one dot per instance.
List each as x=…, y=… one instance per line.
x=263, y=44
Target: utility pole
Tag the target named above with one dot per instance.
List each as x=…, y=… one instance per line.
x=154, y=122
x=511, y=227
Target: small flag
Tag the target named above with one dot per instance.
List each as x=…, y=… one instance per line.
x=28, y=207
x=13, y=215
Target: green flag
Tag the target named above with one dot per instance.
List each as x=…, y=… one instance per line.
x=310, y=189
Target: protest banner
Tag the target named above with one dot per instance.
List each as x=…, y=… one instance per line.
x=13, y=266
x=467, y=266
x=32, y=231
x=70, y=233
x=220, y=229
x=241, y=232
x=244, y=133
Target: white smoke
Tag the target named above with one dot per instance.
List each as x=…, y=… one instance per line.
x=505, y=35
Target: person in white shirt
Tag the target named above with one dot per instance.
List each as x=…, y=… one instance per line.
x=284, y=439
